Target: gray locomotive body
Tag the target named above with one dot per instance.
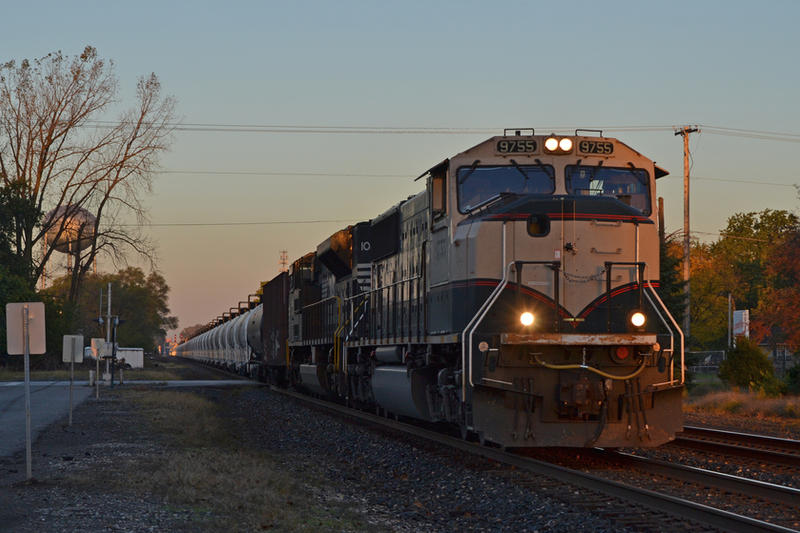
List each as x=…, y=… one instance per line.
x=514, y=298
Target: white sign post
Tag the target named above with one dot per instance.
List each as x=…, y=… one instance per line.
x=72, y=353
x=741, y=323
x=101, y=349
x=25, y=335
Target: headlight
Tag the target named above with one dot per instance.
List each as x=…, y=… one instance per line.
x=526, y=318
x=558, y=145
x=638, y=319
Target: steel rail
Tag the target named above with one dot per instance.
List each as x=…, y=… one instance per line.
x=726, y=482
x=760, y=447
x=790, y=445
x=678, y=507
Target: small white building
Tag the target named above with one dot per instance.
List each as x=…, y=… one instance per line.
x=132, y=356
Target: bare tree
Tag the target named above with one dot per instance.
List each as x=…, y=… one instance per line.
x=58, y=148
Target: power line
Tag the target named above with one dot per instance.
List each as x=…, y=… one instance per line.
x=444, y=130
x=737, y=180
x=286, y=128
x=377, y=175
x=267, y=173
x=752, y=134
x=729, y=236
x=262, y=223
x=340, y=129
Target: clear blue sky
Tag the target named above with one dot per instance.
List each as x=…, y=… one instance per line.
x=421, y=64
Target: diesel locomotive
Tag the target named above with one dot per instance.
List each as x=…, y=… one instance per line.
x=515, y=297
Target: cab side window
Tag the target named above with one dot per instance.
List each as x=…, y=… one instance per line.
x=438, y=195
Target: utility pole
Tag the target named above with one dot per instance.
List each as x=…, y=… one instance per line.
x=108, y=324
x=684, y=132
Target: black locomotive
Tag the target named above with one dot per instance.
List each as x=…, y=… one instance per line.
x=515, y=297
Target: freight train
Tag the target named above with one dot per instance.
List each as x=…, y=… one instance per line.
x=515, y=298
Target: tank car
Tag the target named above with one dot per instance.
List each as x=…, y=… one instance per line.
x=514, y=298
x=231, y=341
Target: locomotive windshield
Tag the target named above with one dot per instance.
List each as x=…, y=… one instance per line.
x=628, y=185
x=478, y=185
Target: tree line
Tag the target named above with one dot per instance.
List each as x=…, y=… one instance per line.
x=74, y=169
x=755, y=261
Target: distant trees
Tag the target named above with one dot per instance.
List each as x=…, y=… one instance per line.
x=140, y=300
x=757, y=261
x=14, y=286
x=778, y=310
x=16, y=210
x=63, y=148
x=190, y=331
x=671, y=289
x=59, y=148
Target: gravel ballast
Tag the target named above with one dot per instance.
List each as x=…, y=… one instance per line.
x=414, y=486
x=113, y=471
x=388, y=483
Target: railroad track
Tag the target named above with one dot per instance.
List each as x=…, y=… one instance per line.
x=759, y=447
x=770, y=492
x=658, y=504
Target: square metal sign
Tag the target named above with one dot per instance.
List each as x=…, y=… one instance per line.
x=15, y=339
x=73, y=347
x=100, y=348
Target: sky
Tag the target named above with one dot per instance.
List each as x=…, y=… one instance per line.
x=635, y=69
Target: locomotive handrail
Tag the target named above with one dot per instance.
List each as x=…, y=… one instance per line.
x=318, y=302
x=494, y=294
x=389, y=286
x=677, y=329
x=487, y=305
x=473, y=325
x=593, y=369
x=338, y=300
x=337, y=336
x=609, y=265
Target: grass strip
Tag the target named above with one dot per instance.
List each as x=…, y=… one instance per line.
x=748, y=404
x=207, y=468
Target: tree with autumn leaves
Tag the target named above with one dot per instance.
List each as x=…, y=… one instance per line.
x=778, y=310
x=757, y=261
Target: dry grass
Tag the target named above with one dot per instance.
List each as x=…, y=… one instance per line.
x=208, y=470
x=40, y=375
x=156, y=374
x=248, y=489
x=746, y=404
x=160, y=371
